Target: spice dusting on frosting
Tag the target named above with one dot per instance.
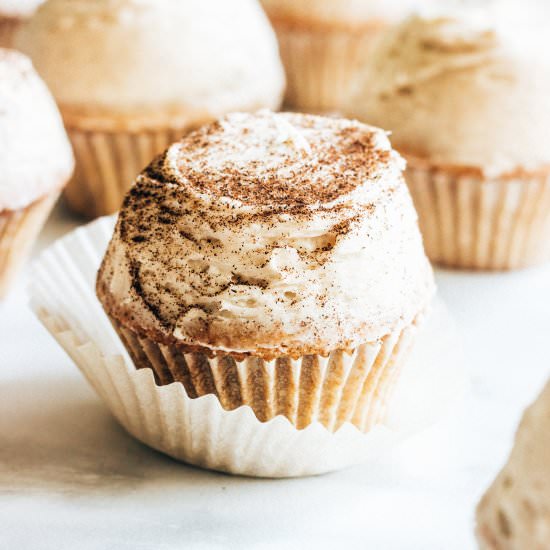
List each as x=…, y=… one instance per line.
x=269, y=234
x=286, y=161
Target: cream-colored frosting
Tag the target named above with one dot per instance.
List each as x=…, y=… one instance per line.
x=274, y=232
x=18, y=8
x=349, y=12
x=159, y=61
x=515, y=512
x=35, y=155
x=460, y=92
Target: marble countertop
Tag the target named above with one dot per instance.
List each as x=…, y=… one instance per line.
x=71, y=478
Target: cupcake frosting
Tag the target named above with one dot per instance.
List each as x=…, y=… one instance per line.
x=348, y=12
x=460, y=92
x=515, y=512
x=35, y=155
x=270, y=234
x=157, y=61
x=19, y=8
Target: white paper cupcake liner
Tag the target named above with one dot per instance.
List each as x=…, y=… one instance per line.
x=199, y=431
x=341, y=387
x=107, y=163
x=320, y=64
x=473, y=223
x=19, y=230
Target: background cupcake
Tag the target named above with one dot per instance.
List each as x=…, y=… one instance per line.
x=35, y=160
x=324, y=42
x=467, y=104
x=131, y=76
x=13, y=13
x=262, y=260
x=515, y=512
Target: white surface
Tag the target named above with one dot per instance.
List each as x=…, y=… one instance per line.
x=71, y=478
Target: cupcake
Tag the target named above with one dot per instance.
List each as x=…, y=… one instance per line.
x=272, y=260
x=467, y=105
x=324, y=42
x=131, y=76
x=13, y=13
x=515, y=512
x=35, y=160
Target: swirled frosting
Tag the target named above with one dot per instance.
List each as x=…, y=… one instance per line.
x=35, y=155
x=348, y=12
x=460, y=92
x=155, y=62
x=515, y=512
x=269, y=234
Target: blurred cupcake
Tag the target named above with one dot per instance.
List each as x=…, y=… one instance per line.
x=35, y=160
x=13, y=13
x=467, y=104
x=515, y=512
x=131, y=76
x=272, y=260
x=324, y=42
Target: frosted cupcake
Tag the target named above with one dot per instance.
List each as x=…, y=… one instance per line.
x=515, y=512
x=467, y=104
x=131, y=76
x=35, y=160
x=13, y=13
x=272, y=260
x=324, y=43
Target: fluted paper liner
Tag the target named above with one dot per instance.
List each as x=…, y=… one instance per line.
x=342, y=387
x=473, y=223
x=320, y=64
x=19, y=230
x=107, y=163
x=199, y=430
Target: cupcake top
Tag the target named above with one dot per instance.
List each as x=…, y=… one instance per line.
x=19, y=8
x=460, y=92
x=339, y=12
x=35, y=155
x=150, y=63
x=515, y=513
x=269, y=234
